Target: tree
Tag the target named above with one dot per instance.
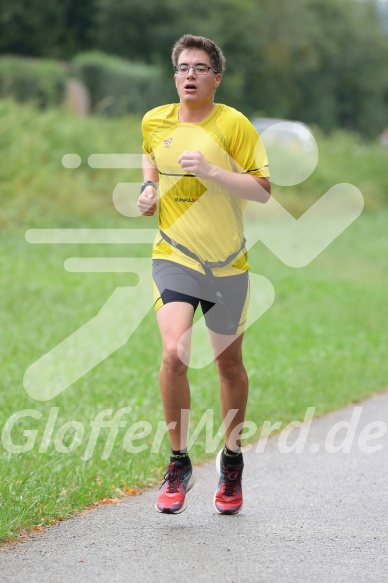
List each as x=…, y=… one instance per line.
x=37, y=28
x=319, y=61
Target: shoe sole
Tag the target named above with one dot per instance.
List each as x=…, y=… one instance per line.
x=223, y=512
x=184, y=505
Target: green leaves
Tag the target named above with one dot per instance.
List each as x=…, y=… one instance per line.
x=317, y=61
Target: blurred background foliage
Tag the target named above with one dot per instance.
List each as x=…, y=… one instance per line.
x=323, y=62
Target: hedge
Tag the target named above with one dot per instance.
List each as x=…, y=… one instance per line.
x=118, y=86
x=42, y=81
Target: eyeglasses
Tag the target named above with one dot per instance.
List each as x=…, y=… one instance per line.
x=200, y=69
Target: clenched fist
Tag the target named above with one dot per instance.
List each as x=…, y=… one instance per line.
x=147, y=201
x=194, y=162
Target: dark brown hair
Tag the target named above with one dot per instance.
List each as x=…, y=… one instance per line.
x=189, y=41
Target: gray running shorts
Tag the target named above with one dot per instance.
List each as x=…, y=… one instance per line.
x=224, y=300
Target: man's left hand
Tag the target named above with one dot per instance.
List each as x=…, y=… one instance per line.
x=194, y=162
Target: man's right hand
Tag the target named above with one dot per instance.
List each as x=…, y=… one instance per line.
x=147, y=201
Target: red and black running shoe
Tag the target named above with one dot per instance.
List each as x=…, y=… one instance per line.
x=228, y=498
x=178, y=480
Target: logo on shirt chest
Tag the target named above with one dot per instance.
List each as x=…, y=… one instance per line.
x=187, y=199
x=167, y=142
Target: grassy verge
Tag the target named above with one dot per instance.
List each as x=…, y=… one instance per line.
x=36, y=190
x=322, y=344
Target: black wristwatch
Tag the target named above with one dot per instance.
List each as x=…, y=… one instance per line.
x=147, y=183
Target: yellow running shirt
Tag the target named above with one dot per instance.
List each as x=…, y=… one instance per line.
x=195, y=212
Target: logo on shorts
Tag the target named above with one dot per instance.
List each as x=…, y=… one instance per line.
x=167, y=142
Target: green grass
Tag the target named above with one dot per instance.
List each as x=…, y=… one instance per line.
x=36, y=190
x=322, y=344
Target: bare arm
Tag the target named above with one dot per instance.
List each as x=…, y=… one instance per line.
x=244, y=186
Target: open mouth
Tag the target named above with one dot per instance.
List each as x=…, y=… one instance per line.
x=190, y=86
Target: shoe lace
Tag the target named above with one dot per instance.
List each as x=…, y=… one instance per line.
x=231, y=479
x=173, y=477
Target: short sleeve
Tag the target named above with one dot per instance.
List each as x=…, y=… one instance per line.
x=247, y=149
x=146, y=134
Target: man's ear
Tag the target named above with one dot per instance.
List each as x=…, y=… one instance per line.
x=217, y=80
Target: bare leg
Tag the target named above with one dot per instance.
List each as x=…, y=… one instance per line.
x=174, y=319
x=233, y=384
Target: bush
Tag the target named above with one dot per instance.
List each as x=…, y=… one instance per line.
x=41, y=81
x=118, y=87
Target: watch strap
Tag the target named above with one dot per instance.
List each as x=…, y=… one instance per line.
x=147, y=183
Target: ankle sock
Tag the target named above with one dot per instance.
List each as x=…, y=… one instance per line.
x=180, y=456
x=232, y=458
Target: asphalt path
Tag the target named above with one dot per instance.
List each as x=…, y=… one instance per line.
x=315, y=509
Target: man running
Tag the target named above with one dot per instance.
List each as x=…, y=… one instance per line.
x=207, y=160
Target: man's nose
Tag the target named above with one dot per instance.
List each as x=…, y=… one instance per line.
x=191, y=72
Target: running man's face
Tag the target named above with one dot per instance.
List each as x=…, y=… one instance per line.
x=193, y=89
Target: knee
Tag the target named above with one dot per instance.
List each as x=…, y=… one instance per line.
x=175, y=361
x=229, y=368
